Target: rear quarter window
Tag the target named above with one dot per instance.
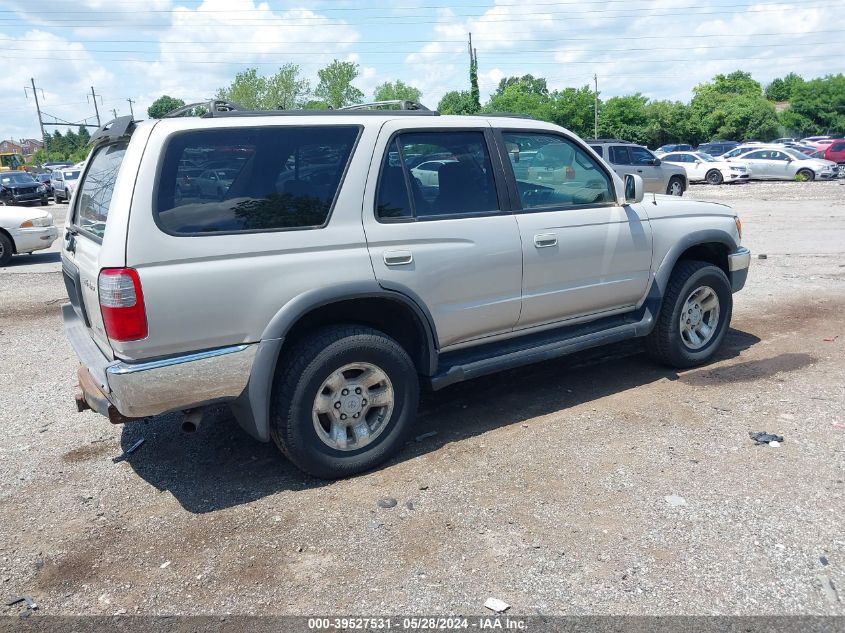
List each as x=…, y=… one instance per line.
x=95, y=193
x=251, y=179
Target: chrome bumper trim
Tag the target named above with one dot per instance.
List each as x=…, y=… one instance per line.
x=739, y=259
x=181, y=382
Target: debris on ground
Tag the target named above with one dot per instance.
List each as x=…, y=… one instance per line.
x=831, y=340
x=128, y=451
x=496, y=605
x=828, y=588
x=425, y=436
x=386, y=502
x=762, y=437
x=823, y=560
x=675, y=501
x=164, y=565
x=410, y=505
x=774, y=444
x=762, y=256
x=31, y=605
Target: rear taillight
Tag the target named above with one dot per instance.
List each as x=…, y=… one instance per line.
x=122, y=304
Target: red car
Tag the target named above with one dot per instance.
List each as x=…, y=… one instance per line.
x=836, y=151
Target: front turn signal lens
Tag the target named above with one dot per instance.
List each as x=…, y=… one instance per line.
x=738, y=226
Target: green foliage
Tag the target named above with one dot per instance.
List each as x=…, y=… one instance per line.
x=284, y=90
x=389, y=91
x=457, y=102
x=732, y=106
x=163, y=105
x=574, y=109
x=527, y=83
x=625, y=118
x=817, y=106
x=335, y=87
x=474, y=92
x=783, y=89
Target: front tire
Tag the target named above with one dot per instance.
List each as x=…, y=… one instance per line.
x=694, y=316
x=806, y=175
x=714, y=177
x=344, y=401
x=6, y=249
x=676, y=186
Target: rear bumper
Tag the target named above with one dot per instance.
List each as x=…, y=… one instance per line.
x=738, y=263
x=120, y=390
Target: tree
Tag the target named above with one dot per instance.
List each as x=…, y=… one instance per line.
x=163, y=105
x=668, y=122
x=732, y=106
x=527, y=82
x=474, y=92
x=389, y=91
x=574, y=109
x=284, y=90
x=457, y=102
x=817, y=106
x=335, y=87
x=625, y=118
x=783, y=89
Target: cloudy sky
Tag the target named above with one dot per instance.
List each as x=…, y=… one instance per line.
x=139, y=50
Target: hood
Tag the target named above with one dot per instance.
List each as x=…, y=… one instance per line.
x=19, y=185
x=662, y=206
x=11, y=217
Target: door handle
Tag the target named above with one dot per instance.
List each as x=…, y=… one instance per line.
x=544, y=240
x=639, y=171
x=398, y=258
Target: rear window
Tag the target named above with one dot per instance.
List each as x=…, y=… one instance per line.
x=251, y=179
x=95, y=193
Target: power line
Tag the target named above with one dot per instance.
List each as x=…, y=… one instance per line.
x=526, y=17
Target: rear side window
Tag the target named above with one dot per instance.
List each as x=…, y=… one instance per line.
x=619, y=155
x=251, y=179
x=434, y=174
x=837, y=147
x=94, y=197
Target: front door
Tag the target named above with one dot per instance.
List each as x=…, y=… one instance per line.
x=583, y=253
x=436, y=230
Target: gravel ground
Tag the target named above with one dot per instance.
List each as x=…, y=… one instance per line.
x=596, y=484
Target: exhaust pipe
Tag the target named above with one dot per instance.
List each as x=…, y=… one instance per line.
x=192, y=420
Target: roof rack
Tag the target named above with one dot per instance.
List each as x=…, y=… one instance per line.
x=609, y=140
x=114, y=129
x=507, y=115
x=404, y=104
x=213, y=107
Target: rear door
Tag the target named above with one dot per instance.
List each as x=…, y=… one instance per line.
x=85, y=233
x=448, y=241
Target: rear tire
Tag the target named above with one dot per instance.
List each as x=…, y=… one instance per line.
x=676, y=186
x=714, y=177
x=6, y=249
x=316, y=385
x=671, y=345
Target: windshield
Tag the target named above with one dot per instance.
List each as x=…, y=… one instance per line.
x=71, y=175
x=15, y=178
x=705, y=157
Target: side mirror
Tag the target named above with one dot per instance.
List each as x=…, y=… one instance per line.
x=655, y=162
x=697, y=162
x=633, y=188
x=789, y=159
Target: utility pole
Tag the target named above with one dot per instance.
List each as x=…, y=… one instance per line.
x=131, y=111
x=40, y=120
x=96, y=109
x=596, y=124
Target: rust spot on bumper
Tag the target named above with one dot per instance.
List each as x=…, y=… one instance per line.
x=93, y=398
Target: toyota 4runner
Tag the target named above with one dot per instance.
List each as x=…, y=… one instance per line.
x=345, y=259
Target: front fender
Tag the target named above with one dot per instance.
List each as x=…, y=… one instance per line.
x=704, y=236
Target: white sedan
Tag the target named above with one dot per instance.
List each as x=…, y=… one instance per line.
x=786, y=164
x=701, y=167
x=24, y=230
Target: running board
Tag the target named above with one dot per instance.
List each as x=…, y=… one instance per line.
x=533, y=348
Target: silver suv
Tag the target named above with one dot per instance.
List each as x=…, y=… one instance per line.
x=628, y=158
x=325, y=283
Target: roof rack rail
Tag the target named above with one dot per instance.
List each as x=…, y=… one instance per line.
x=609, y=140
x=507, y=115
x=404, y=104
x=213, y=107
x=114, y=129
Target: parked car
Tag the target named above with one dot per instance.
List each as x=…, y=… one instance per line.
x=785, y=140
x=64, y=182
x=629, y=158
x=44, y=179
x=214, y=182
x=681, y=147
x=739, y=150
x=701, y=167
x=835, y=152
x=325, y=289
x=427, y=172
x=18, y=187
x=23, y=231
x=716, y=148
x=786, y=164
x=815, y=139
